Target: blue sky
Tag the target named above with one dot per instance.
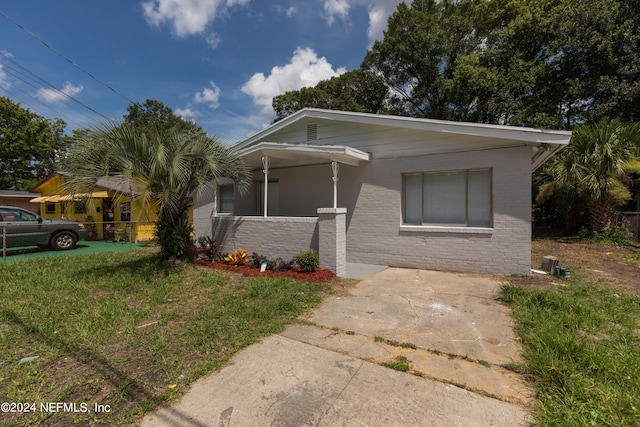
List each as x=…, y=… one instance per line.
x=217, y=62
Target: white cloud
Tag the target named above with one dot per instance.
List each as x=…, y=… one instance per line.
x=379, y=12
x=336, y=8
x=187, y=17
x=209, y=96
x=304, y=70
x=4, y=80
x=213, y=40
x=289, y=11
x=53, y=95
x=186, y=113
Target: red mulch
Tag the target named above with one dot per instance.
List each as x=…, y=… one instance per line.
x=318, y=276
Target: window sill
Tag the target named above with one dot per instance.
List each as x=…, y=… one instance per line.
x=445, y=229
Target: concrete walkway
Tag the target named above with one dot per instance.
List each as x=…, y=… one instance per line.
x=328, y=371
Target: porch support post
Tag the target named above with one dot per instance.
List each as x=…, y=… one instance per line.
x=335, y=167
x=266, y=162
x=332, y=239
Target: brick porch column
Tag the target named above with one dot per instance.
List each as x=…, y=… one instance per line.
x=332, y=239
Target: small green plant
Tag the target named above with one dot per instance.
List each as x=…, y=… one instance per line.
x=257, y=260
x=271, y=264
x=307, y=261
x=378, y=339
x=282, y=265
x=236, y=258
x=401, y=364
x=171, y=238
x=618, y=236
x=350, y=332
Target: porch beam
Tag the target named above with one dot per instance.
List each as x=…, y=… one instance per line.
x=335, y=167
x=266, y=163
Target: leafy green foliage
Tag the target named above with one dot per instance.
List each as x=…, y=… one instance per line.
x=307, y=261
x=171, y=238
x=162, y=168
x=611, y=235
x=590, y=168
x=30, y=146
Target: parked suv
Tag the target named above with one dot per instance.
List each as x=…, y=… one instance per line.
x=24, y=228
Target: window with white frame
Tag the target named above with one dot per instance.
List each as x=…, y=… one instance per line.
x=459, y=198
x=226, y=198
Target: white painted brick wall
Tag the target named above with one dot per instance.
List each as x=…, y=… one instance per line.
x=272, y=237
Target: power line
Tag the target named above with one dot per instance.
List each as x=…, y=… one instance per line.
x=66, y=95
x=60, y=54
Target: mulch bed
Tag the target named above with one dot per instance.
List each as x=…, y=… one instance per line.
x=318, y=276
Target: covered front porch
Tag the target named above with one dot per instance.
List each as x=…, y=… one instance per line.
x=292, y=205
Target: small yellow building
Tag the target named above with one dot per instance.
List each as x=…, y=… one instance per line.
x=110, y=212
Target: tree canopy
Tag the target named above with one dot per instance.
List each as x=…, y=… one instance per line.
x=30, y=146
x=165, y=169
x=153, y=115
x=542, y=63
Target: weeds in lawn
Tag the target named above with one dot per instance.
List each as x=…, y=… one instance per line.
x=119, y=329
x=582, y=351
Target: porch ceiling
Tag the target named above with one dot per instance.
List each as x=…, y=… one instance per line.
x=287, y=155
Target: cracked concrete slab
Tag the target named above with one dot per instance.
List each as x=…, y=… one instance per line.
x=329, y=372
x=452, y=313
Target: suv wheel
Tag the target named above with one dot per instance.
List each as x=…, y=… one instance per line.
x=63, y=240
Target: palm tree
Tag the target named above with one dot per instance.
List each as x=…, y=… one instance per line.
x=166, y=168
x=591, y=168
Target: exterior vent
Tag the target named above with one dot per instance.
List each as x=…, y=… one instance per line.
x=312, y=132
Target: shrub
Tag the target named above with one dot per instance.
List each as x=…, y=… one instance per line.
x=307, y=261
x=282, y=265
x=257, y=260
x=236, y=258
x=619, y=236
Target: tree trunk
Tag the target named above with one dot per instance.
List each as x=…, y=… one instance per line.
x=601, y=214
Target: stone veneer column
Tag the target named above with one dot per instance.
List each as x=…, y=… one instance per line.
x=332, y=239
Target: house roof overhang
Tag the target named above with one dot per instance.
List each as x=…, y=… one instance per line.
x=438, y=136
x=288, y=155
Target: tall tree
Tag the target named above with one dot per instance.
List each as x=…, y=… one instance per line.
x=418, y=55
x=356, y=90
x=153, y=115
x=166, y=166
x=30, y=146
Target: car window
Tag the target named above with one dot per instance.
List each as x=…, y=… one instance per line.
x=17, y=215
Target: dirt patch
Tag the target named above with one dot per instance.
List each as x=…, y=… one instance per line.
x=318, y=276
x=595, y=264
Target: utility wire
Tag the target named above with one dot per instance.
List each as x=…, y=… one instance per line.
x=60, y=54
x=66, y=95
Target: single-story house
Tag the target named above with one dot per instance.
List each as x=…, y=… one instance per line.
x=17, y=198
x=385, y=190
x=110, y=211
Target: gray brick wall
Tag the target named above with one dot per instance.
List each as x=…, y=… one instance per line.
x=372, y=194
x=374, y=203
x=272, y=236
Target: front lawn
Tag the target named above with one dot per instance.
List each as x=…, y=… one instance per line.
x=581, y=337
x=121, y=331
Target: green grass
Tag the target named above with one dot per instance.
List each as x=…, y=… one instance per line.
x=581, y=347
x=119, y=329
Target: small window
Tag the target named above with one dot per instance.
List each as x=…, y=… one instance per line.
x=226, y=198
x=453, y=198
x=80, y=207
x=125, y=211
x=51, y=208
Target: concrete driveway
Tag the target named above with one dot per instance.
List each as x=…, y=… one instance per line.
x=329, y=370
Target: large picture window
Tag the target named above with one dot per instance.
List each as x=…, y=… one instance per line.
x=453, y=198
